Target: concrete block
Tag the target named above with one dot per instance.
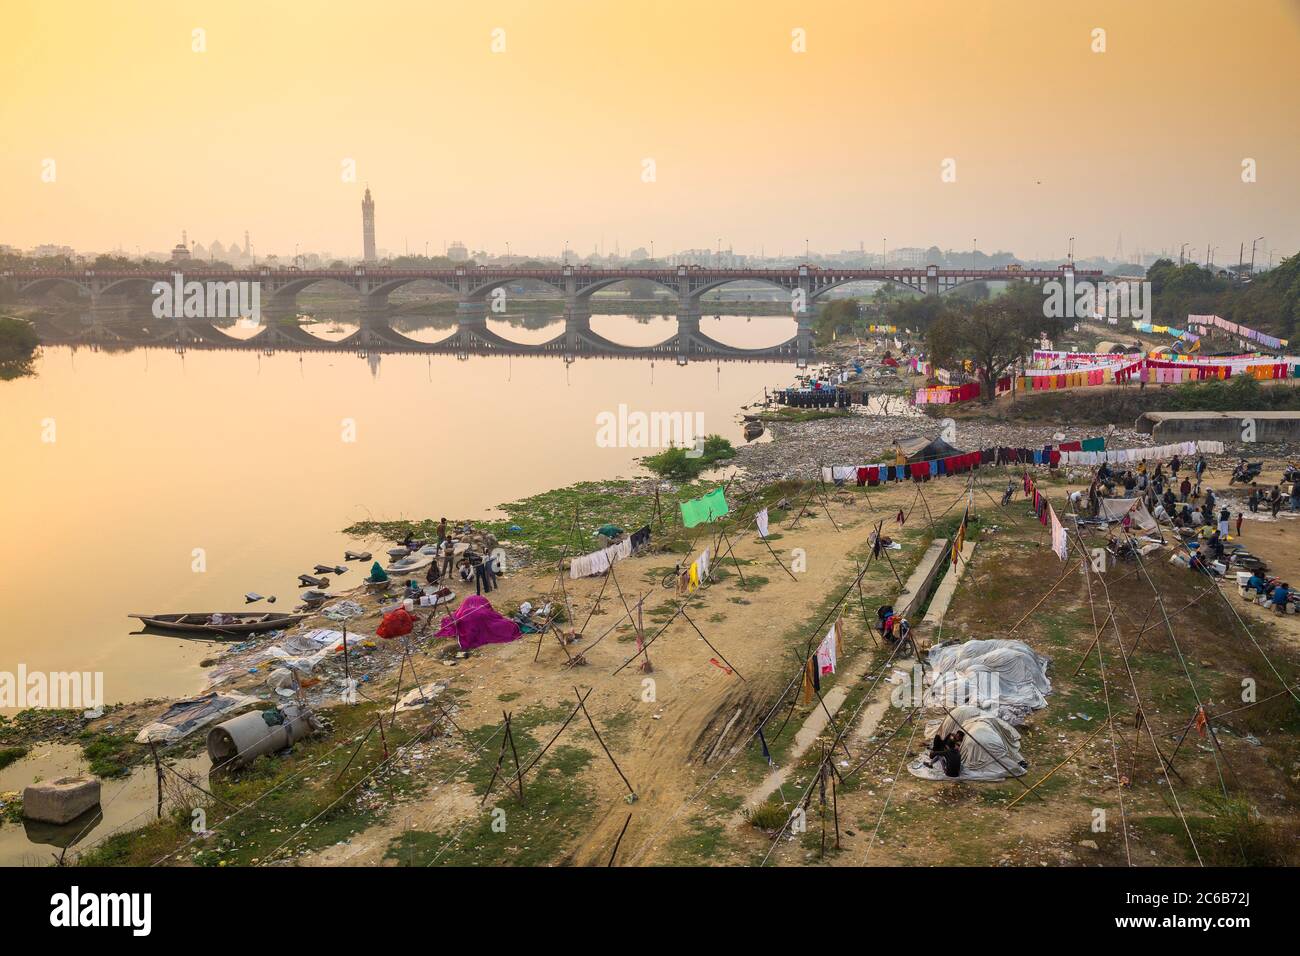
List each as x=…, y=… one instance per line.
x=60, y=800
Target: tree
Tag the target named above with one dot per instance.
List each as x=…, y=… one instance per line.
x=994, y=335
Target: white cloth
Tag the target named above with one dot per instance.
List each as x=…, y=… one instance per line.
x=991, y=750
x=760, y=519
x=826, y=659
x=991, y=674
x=1059, y=542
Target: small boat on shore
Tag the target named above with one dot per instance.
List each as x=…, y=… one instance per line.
x=410, y=564
x=225, y=623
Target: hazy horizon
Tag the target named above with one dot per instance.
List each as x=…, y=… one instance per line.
x=754, y=144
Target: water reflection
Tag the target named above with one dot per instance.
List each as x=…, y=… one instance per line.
x=256, y=457
x=571, y=335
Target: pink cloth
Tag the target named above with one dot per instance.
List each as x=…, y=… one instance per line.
x=475, y=623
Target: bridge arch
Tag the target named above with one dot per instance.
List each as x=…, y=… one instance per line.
x=822, y=290
x=586, y=291
x=478, y=293
x=698, y=292
x=294, y=286
x=392, y=285
x=118, y=286
x=39, y=286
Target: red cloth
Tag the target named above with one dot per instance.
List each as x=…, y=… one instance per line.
x=1071, y=446
x=396, y=623
x=920, y=469
x=863, y=475
x=1055, y=458
x=873, y=476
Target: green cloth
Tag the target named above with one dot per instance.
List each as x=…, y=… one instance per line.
x=705, y=508
x=1094, y=444
x=609, y=530
x=377, y=574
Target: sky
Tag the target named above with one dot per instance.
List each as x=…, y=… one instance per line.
x=753, y=124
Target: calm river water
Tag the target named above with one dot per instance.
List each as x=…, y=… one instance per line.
x=119, y=464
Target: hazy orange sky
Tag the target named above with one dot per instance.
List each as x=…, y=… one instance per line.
x=754, y=144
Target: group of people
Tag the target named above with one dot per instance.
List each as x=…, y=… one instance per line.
x=1271, y=499
x=482, y=568
x=1275, y=593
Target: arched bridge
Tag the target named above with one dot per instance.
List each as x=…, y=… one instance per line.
x=474, y=286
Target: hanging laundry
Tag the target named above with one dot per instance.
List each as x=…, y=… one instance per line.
x=705, y=508
x=827, y=652
x=760, y=519
x=1059, y=541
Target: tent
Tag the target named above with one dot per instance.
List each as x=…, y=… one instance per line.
x=922, y=449
x=1114, y=509
x=991, y=750
x=476, y=623
x=1001, y=676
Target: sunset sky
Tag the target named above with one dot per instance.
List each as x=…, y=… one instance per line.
x=753, y=143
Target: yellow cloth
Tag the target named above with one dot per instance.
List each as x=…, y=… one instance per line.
x=695, y=575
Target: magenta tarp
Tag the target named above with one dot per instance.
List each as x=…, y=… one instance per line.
x=475, y=623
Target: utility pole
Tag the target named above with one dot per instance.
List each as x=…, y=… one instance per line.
x=1252, y=256
x=1181, y=250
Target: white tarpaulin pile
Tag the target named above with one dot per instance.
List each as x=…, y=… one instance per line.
x=1114, y=509
x=990, y=751
x=1003, y=677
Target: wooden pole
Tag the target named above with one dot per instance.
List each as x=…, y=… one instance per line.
x=582, y=703
x=1103, y=726
x=157, y=768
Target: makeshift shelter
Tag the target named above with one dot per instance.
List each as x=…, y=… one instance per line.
x=476, y=623
x=1114, y=509
x=990, y=751
x=1000, y=676
x=924, y=449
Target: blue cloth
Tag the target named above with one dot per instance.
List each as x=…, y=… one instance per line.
x=934, y=468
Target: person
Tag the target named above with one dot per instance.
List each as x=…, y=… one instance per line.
x=885, y=614
x=1185, y=488
x=1196, y=518
x=1257, y=583
x=1174, y=464
x=490, y=571
x=1215, y=545
x=1209, y=501
x=1275, y=500
x=1007, y=495
x=442, y=531
x=434, y=573
x=950, y=757
x=1200, y=467
x=1239, y=517
x=1253, y=500
x=448, y=556
x=1281, y=594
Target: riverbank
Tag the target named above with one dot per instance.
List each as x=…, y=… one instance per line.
x=420, y=790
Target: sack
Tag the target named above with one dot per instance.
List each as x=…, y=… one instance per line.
x=396, y=624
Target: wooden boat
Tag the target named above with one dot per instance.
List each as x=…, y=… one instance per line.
x=236, y=622
x=409, y=564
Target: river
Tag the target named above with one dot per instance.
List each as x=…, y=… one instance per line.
x=150, y=480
